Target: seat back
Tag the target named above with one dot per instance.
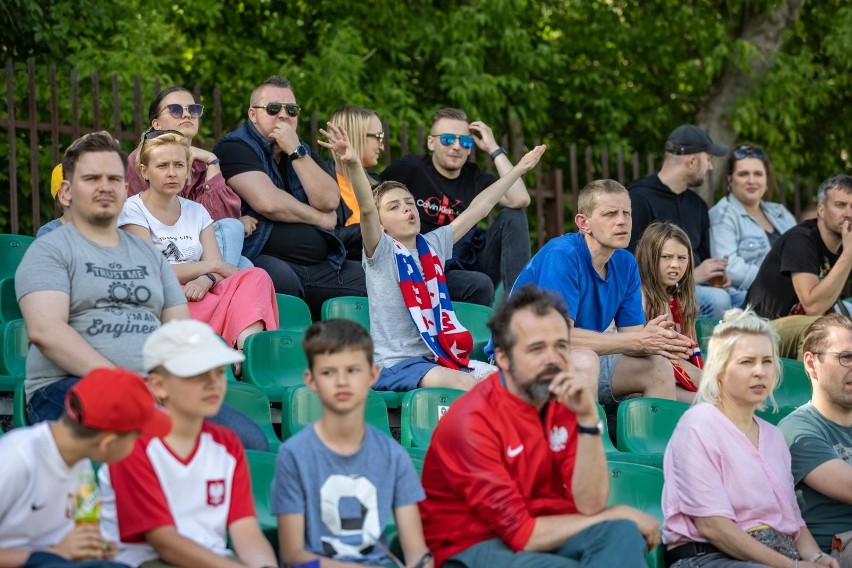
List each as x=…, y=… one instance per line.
x=475, y=319
x=19, y=407
x=15, y=344
x=703, y=330
x=303, y=407
x=641, y=487
x=293, y=313
x=9, y=308
x=274, y=360
x=646, y=424
x=249, y=400
x=794, y=391
x=12, y=249
x=354, y=308
x=262, y=470
x=421, y=411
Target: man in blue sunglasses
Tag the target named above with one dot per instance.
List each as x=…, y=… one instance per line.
x=444, y=184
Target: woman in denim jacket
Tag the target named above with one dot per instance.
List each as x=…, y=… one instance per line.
x=743, y=227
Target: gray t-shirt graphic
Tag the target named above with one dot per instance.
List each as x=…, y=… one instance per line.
x=117, y=295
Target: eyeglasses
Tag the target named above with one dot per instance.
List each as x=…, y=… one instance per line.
x=844, y=357
x=380, y=136
x=151, y=134
x=748, y=152
x=274, y=109
x=176, y=110
x=448, y=139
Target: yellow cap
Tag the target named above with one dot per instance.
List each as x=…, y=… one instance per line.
x=55, y=180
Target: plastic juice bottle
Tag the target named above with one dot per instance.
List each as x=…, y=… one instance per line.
x=88, y=500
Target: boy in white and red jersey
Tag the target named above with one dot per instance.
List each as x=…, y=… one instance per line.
x=42, y=465
x=178, y=498
x=516, y=473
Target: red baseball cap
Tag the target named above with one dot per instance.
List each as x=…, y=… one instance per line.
x=116, y=400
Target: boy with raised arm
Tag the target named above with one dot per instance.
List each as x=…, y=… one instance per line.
x=337, y=481
x=419, y=341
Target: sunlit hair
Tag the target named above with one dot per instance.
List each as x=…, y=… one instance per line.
x=449, y=113
x=736, y=325
x=649, y=249
x=380, y=190
x=771, y=184
x=101, y=141
x=840, y=182
x=355, y=121
x=332, y=336
x=587, y=200
x=817, y=334
x=147, y=146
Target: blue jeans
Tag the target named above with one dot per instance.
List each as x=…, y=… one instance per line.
x=49, y=560
x=609, y=543
x=501, y=257
x=48, y=403
x=714, y=302
x=229, y=234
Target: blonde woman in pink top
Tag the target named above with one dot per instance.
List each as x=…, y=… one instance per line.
x=728, y=498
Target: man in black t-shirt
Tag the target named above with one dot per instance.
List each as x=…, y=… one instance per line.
x=294, y=197
x=443, y=186
x=804, y=273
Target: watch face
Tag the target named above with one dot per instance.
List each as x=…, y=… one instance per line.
x=302, y=151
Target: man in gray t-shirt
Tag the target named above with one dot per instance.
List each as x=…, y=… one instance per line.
x=89, y=293
x=820, y=435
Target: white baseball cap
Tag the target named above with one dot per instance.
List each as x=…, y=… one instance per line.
x=187, y=348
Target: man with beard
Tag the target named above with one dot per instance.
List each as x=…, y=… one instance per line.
x=516, y=473
x=665, y=196
x=819, y=434
x=805, y=272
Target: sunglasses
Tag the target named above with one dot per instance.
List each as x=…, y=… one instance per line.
x=176, y=110
x=748, y=152
x=448, y=139
x=380, y=136
x=274, y=109
x=151, y=134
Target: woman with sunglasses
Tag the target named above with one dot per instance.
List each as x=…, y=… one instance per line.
x=174, y=108
x=367, y=139
x=743, y=226
x=235, y=304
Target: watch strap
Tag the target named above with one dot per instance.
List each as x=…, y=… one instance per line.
x=595, y=430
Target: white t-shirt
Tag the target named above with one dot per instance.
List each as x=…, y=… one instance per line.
x=37, y=489
x=180, y=242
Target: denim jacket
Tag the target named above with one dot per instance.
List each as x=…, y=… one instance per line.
x=253, y=244
x=735, y=233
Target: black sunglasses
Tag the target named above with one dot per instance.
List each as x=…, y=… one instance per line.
x=176, y=110
x=748, y=152
x=273, y=109
x=151, y=134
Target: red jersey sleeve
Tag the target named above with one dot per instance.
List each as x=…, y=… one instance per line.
x=140, y=503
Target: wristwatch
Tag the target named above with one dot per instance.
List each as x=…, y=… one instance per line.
x=595, y=430
x=299, y=152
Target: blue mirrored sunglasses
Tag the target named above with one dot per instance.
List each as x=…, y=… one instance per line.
x=748, y=152
x=448, y=139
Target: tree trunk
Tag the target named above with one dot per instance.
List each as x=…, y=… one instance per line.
x=764, y=31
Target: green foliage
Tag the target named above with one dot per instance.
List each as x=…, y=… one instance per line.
x=605, y=73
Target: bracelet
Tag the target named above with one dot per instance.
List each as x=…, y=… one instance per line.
x=497, y=152
x=816, y=556
x=211, y=277
x=213, y=162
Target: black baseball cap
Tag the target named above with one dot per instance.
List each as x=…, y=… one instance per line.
x=689, y=139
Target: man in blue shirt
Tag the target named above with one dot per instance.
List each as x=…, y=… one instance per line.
x=599, y=281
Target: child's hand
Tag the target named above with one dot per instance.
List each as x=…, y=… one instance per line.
x=532, y=157
x=338, y=142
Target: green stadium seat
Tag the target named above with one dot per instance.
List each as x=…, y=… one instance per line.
x=12, y=249
x=303, y=407
x=19, y=407
x=421, y=410
x=646, y=424
x=9, y=309
x=640, y=487
x=249, y=400
x=293, y=313
x=391, y=399
x=613, y=454
x=354, y=308
x=262, y=470
x=794, y=391
x=275, y=362
x=14, y=344
x=703, y=330
x=475, y=319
